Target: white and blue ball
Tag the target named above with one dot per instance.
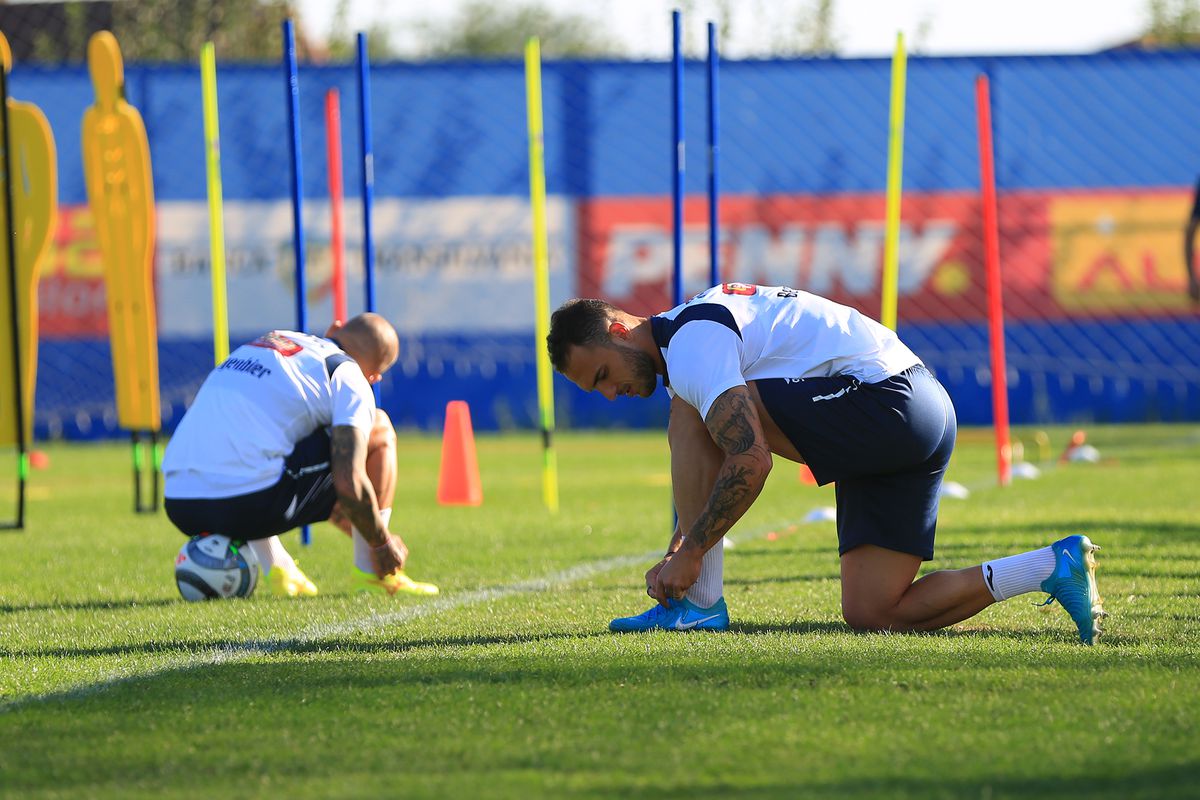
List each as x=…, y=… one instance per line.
x=213, y=567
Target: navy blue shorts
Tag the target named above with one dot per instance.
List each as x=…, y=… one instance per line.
x=886, y=445
x=303, y=495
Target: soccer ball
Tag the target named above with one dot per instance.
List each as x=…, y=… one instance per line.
x=210, y=567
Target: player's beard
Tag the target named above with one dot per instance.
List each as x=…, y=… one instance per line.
x=645, y=378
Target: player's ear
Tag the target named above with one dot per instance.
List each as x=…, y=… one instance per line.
x=334, y=328
x=618, y=330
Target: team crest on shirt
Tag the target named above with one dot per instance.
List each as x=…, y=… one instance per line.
x=277, y=342
x=742, y=289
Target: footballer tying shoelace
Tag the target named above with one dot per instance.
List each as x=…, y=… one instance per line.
x=760, y=371
x=285, y=433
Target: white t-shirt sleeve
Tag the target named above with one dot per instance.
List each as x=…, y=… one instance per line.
x=703, y=361
x=353, y=399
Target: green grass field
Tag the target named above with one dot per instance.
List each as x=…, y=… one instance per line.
x=509, y=685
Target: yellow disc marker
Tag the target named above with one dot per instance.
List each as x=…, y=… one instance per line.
x=35, y=212
x=116, y=161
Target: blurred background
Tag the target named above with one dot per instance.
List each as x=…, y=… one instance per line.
x=1095, y=112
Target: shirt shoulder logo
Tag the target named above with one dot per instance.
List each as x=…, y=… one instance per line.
x=279, y=343
x=740, y=289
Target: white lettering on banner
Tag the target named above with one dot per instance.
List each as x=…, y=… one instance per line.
x=819, y=257
x=636, y=254
x=457, y=264
x=769, y=260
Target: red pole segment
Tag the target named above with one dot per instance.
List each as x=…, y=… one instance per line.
x=991, y=248
x=333, y=152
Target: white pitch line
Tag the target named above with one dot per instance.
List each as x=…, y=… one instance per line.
x=241, y=651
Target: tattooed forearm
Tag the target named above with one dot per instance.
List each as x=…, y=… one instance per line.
x=347, y=460
x=346, y=446
x=736, y=488
x=734, y=425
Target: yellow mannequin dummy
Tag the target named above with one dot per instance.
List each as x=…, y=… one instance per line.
x=116, y=160
x=35, y=211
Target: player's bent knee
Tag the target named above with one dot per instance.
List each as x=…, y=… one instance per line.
x=866, y=618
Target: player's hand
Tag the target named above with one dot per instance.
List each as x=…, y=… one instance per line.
x=652, y=575
x=678, y=575
x=389, y=556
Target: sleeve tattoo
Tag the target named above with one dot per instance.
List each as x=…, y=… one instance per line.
x=347, y=449
x=347, y=461
x=733, y=423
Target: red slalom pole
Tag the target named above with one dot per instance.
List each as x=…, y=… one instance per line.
x=991, y=254
x=333, y=152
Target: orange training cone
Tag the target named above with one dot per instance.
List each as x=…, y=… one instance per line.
x=458, y=483
x=806, y=475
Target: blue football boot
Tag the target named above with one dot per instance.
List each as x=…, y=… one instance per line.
x=679, y=615
x=1073, y=584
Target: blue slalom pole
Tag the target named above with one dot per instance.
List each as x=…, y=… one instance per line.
x=368, y=170
x=714, y=134
x=677, y=156
x=293, y=103
x=368, y=177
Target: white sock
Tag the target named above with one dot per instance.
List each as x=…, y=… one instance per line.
x=362, y=550
x=711, y=583
x=1014, y=575
x=271, y=553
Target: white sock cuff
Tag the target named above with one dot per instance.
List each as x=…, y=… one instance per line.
x=709, y=587
x=1019, y=574
x=271, y=553
x=362, y=552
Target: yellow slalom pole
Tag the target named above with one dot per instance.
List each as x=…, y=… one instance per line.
x=541, y=268
x=216, y=223
x=891, y=242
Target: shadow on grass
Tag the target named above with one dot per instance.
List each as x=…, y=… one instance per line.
x=1035, y=635
x=346, y=661
x=798, y=627
x=299, y=646
x=1176, y=780
x=92, y=605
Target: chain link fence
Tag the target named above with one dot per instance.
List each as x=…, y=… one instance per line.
x=1096, y=159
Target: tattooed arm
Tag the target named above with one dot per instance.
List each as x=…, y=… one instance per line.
x=356, y=496
x=734, y=426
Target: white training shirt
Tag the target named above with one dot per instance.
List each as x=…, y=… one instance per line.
x=253, y=409
x=739, y=332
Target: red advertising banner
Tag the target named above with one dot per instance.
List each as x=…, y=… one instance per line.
x=71, y=290
x=1062, y=255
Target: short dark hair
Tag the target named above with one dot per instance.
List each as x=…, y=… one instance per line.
x=578, y=323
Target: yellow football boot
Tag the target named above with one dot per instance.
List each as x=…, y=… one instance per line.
x=395, y=583
x=290, y=582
